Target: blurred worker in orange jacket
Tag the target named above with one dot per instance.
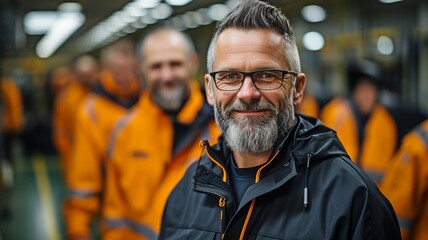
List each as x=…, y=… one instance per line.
x=364, y=126
x=11, y=126
x=11, y=114
x=309, y=105
x=153, y=145
x=68, y=101
x=406, y=183
x=117, y=92
x=61, y=77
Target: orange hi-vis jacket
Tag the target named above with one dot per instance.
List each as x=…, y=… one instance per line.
x=86, y=168
x=380, y=135
x=66, y=106
x=12, y=119
x=309, y=106
x=406, y=184
x=150, y=152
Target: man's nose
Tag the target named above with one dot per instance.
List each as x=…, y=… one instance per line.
x=167, y=73
x=248, y=92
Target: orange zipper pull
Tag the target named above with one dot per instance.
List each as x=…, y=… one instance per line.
x=221, y=202
x=202, y=144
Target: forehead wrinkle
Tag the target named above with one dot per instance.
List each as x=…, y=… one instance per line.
x=245, y=55
x=234, y=44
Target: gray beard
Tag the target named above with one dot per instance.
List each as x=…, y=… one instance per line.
x=171, y=101
x=254, y=134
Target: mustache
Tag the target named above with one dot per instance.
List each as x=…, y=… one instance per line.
x=252, y=106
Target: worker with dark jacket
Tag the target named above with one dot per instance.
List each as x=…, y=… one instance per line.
x=273, y=174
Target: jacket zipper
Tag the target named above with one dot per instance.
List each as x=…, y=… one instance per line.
x=253, y=202
x=222, y=200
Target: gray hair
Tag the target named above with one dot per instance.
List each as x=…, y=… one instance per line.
x=255, y=14
x=190, y=47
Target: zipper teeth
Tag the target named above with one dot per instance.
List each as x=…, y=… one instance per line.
x=253, y=202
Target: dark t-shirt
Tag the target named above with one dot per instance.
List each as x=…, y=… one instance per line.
x=241, y=179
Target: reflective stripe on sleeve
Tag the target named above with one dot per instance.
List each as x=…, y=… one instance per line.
x=82, y=194
x=138, y=228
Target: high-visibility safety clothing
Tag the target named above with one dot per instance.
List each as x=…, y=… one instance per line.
x=307, y=189
x=309, y=106
x=66, y=106
x=12, y=116
x=86, y=169
x=380, y=135
x=150, y=151
x=406, y=183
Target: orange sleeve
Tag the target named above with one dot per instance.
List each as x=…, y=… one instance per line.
x=380, y=142
x=61, y=134
x=405, y=186
x=135, y=169
x=309, y=106
x=83, y=177
x=114, y=205
x=338, y=116
x=13, y=119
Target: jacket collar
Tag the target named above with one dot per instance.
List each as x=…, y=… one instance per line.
x=308, y=138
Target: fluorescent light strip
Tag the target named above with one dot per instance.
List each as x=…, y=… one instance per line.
x=39, y=22
x=65, y=26
x=390, y=1
x=141, y=13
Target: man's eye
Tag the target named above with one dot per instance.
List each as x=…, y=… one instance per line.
x=270, y=75
x=231, y=76
x=267, y=75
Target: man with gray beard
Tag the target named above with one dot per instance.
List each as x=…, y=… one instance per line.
x=273, y=174
x=152, y=146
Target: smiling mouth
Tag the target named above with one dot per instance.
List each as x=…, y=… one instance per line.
x=250, y=112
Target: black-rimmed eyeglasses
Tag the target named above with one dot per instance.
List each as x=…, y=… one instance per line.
x=268, y=79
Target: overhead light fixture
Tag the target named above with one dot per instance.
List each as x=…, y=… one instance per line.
x=147, y=3
x=196, y=16
x=177, y=2
x=69, y=7
x=177, y=23
x=218, y=11
x=314, y=13
x=138, y=25
x=385, y=45
x=68, y=21
x=134, y=10
x=148, y=19
x=162, y=11
x=313, y=41
x=203, y=12
x=128, y=20
x=188, y=20
x=389, y=1
x=39, y=22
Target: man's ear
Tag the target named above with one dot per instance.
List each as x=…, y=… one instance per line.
x=208, y=90
x=299, y=89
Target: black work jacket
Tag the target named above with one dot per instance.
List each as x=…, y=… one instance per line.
x=308, y=189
